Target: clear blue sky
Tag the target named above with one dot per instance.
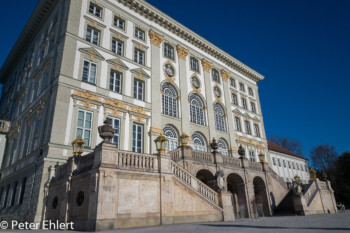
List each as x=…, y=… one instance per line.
x=301, y=47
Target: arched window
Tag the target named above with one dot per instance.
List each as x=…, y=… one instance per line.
x=223, y=147
x=199, y=142
x=196, y=110
x=169, y=100
x=171, y=134
x=219, y=118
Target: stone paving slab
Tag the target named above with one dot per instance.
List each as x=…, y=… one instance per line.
x=337, y=223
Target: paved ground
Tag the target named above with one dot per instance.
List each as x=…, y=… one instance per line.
x=336, y=223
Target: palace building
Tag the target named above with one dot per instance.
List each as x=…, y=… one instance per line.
x=79, y=62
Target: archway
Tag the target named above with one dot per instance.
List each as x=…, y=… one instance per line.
x=235, y=185
x=260, y=197
x=206, y=177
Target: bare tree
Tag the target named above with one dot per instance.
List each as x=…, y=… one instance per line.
x=290, y=144
x=324, y=157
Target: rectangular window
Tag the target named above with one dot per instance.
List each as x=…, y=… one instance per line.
x=139, y=56
x=137, y=138
x=14, y=192
x=284, y=163
x=234, y=99
x=23, y=189
x=194, y=64
x=289, y=164
x=139, y=33
x=89, y=72
x=293, y=165
x=241, y=87
x=247, y=127
x=119, y=22
x=6, y=195
x=274, y=161
x=297, y=166
x=305, y=168
x=253, y=107
x=301, y=168
x=118, y=47
x=257, y=130
x=115, y=82
x=244, y=103
x=279, y=162
x=216, y=76
x=115, y=123
x=250, y=91
x=232, y=82
x=238, y=124
x=84, y=125
x=95, y=10
x=139, y=87
x=169, y=51
x=93, y=35
x=252, y=156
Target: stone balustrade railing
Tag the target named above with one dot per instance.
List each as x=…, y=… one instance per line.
x=202, y=156
x=310, y=192
x=126, y=159
x=175, y=154
x=85, y=162
x=232, y=161
x=194, y=183
x=61, y=171
x=255, y=166
x=278, y=178
x=323, y=185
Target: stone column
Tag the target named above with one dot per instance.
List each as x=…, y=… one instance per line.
x=225, y=202
x=156, y=125
x=230, y=125
x=209, y=97
x=185, y=108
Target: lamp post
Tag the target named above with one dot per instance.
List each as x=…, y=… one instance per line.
x=78, y=146
x=184, y=139
x=261, y=157
x=313, y=174
x=241, y=151
x=161, y=143
x=297, y=179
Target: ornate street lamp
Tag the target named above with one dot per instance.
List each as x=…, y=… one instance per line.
x=78, y=146
x=161, y=143
x=241, y=151
x=297, y=179
x=312, y=174
x=184, y=139
x=261, y=157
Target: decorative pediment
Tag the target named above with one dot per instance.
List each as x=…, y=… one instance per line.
x=140, y=73
x=237, y=112
x=92, y=53
x=256, y=120
x=117, y=64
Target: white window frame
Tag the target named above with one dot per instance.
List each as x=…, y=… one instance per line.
x=93, y=35
x=84, y=128
x=252, y=155
x=215, y=75
x=234, y=99
x=169, y=100
x=197, y=114
x=116, y=137
x=199, y=143
x=238, y=124
x=93, y=10
x=223, y=148
x=172, y=136
x=257, y=130
x=140, y=34
x=194, y=64
x=113, y=81
x=139, y=90
x=89, y=77
x=139, y=56
x=253, y=107
x=247, y=127
x=220, y=121
x=118, y=47
x=119, y=22
x=169, y=51
x=137, y=130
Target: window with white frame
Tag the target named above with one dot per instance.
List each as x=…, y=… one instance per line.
x=115, y=123
x=274, y=161
x=244, y=103
x=172, y=136
x=95, y=10
x=279, y=162
x=289, y=164
x=247, y=127
x=238, y=124
x=297, y=166
x=219, y=118
x=93, y=35
x=196, y=110
x=284, y=163
x=169, y=100
x=194, y=64
x=169, y=51
x=232, y=82
x=306, y=168
x=234, y=99
x=199, y=143
x=139, y=33
x=301, y=168
x=84, y=126
x=241, y=87
x=252, y=155
x=139, y=56
x=293, y=165
x=119, y=22
x=89, y=72
x=253, y=107
x=216, y=76
x=223, y=148
x=250, y=91
x=137, y=138
x=118, y=47
x=139, y=89
x=115, y=81
x=257, y=130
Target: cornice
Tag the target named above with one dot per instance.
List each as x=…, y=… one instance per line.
x=150, y=12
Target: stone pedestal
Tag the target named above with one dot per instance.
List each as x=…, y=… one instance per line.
x=225, y=202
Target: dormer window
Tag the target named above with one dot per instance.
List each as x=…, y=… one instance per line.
x=95, y=10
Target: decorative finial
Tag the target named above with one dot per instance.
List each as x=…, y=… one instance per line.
x=214, y=145
x=241, y=151
x=106, y=131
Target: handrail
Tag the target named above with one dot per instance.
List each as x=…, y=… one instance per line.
x=175, y=154
x=194, y=183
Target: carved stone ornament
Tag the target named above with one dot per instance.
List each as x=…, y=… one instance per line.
x=217, y=92
x=106, y=131
x=206, y=65
x=225, y=75
x=195, y=82
x=181, y=52
x=156, y=39
x=220, y=181
x=169, y=70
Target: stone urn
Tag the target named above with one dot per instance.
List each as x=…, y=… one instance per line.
x=106, y=131
x=241, y=151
